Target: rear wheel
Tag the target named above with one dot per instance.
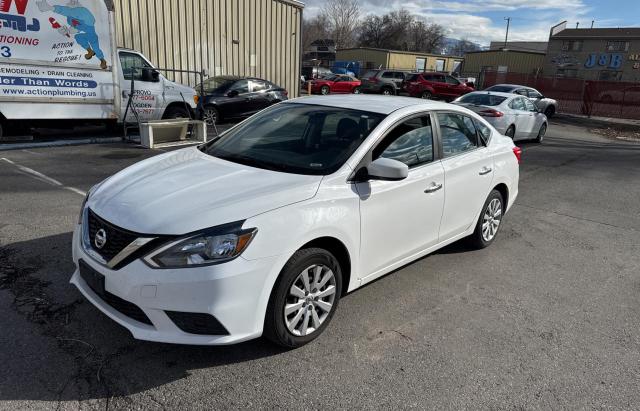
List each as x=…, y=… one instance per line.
x=387, y=91
x=511, y=131
x=324, y=90
x=541, y=133
x=550, y=111
x=357, y=90
x=304, y=298
x=211, y=115
x=426, y=95
x=489, y=221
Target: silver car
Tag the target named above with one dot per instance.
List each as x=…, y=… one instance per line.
x=548, y=106
x=513, y=115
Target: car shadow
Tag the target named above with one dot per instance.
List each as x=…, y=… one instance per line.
x=57, y=346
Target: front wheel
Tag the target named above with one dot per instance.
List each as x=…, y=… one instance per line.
x=357, y=90
x=489, y=221
x=211, y=115
x=324, y=90
x=426, y=95
x=511, y=132
x=176, y=112
x=304, y=298
x=550, y=111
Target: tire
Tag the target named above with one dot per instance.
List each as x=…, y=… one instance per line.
x=511, y=132
x=357, y=90
x=276, y=328
x=480, y=237
x=211, y=115
x=176, y=112
x=541, y=133
x=426, y=95
x=324, y=90
x=550, y=111
x=387, y=91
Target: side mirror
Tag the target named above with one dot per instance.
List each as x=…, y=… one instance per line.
x=232, y=93
x=387, y=169
x=150, y=75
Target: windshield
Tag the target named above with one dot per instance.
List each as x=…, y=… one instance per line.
x=482, y=99
x=296, y=138
x=500, y=89
x=216, y=84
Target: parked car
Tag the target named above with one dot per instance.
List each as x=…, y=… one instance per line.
x=313, y=72
x=337, y=83
x=513, y=115
x=627, y=95
x=435, y=85
x=387, y=82
x=547, y=105
x=229, y=97
x=262, y=231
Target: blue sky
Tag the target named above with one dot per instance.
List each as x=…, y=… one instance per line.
x=483, y=20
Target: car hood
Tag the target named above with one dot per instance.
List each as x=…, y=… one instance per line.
x=187, y=190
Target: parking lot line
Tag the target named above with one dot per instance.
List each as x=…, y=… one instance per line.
x=39, y=176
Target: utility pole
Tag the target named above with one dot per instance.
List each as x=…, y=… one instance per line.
x=577, y=24
x=506, y=36
x=592, y=21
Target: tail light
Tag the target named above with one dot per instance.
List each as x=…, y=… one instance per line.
x=491, y=113
x=517, y=151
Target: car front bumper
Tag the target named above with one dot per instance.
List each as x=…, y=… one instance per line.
x=235, y=293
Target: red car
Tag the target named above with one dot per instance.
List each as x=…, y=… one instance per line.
x=435, y=85
x=338, y=83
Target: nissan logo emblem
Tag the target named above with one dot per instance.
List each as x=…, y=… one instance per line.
x=100, y=239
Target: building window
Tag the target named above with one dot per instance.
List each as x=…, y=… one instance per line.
x=572, y=45
x=420, y=64
x=440, y=65
x=617, y=45
x=567, y=73
x=610, y=75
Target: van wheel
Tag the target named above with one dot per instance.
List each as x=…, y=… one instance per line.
x=176, y=112
x=304, y=298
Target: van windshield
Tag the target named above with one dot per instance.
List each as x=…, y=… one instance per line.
x=296, y=138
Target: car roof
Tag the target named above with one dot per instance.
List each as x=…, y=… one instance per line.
x=512, y=86
x=495, y=93
x=372, y=103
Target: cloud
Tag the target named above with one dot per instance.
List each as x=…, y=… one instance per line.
x=466, y=19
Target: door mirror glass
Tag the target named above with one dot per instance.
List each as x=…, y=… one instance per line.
x=387, y=169
x=232, y=93
x=150, y=75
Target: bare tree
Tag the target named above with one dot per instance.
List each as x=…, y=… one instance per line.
x=343, y=17
x=373, y=32
x=315, y=29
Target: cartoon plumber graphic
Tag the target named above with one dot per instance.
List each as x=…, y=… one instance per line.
x=81, y=25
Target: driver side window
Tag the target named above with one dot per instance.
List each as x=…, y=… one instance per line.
x=410, y=142
x=241, y=86
x=131, y=66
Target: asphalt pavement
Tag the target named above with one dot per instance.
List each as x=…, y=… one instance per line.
x=547, y=317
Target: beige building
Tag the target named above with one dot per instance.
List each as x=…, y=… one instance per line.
x=372, y=58
x=504, y=61
x=239, y=37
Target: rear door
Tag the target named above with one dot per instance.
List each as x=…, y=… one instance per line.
x=259, y=96
x=238, y=103
x=468, y=170
x=524, y=117
x=439, y=84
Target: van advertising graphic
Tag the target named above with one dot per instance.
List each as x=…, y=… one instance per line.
x=63, y=32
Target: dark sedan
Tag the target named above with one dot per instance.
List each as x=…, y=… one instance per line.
x=231, y=97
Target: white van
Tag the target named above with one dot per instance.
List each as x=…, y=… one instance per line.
x=58, y=63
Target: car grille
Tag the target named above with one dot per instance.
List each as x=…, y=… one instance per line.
x=197, y=323
x=117, y=238
x=95, y=281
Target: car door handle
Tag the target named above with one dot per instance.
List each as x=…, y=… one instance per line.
x=485, y=170
x=433, y=188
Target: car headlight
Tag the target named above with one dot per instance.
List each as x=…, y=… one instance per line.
x=84, y=202
x=209, y=247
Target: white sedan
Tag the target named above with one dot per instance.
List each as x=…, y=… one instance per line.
x=261, y=231
x=511, y=114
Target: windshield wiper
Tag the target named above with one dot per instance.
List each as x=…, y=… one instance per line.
x=252, y=162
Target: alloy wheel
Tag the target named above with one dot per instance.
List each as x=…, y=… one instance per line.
x=210, y=116
x=324, y=90
x=426, y=95
x=310, y=300
x=491, y=219
x=386, y=92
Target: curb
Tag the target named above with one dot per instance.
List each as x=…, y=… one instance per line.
x=60, y=143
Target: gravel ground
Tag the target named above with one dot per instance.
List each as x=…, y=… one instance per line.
x=547, y=317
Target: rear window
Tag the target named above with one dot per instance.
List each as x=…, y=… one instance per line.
x=387, y=74
x=482, y=99
x=501, y=89
x=414, y=77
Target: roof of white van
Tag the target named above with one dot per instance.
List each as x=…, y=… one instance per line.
x=367, y=102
